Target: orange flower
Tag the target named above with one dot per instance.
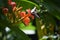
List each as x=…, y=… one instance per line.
x=28, y=10
x=32, y=16
x=26, y=21
x=25, y=17
x=22, y=14
x=29, y=14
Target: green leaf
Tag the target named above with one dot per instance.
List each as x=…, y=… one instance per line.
x=20, y=35
x=53, y=7
x=24, y=27
x=26, y=4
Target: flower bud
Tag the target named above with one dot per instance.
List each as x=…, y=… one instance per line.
x=5, y=10
x=13, y=4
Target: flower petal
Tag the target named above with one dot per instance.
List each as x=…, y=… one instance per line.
x=32, y=16
x=22, y=14
x=26, y=21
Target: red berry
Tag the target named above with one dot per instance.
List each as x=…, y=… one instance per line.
x=26, y=20
x=22, y=14
x=5, y=10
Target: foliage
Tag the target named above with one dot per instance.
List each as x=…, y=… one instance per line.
x=49, y=12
